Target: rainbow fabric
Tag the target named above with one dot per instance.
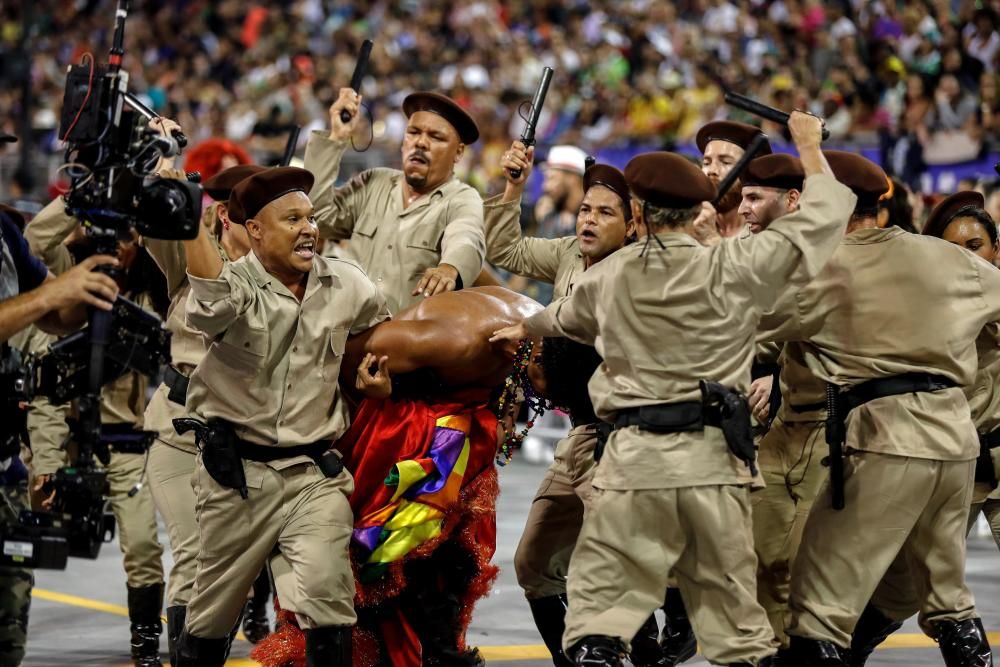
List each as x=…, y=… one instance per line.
x=425, y=489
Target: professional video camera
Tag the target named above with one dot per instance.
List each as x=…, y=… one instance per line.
x=111, y=156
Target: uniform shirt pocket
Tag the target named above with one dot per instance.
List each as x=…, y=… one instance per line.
x=244, y=347
x=333, y=354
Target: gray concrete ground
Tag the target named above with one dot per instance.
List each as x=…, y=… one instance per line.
x=76, y=615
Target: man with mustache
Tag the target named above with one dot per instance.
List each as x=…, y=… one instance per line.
x=268, y=398
x=416, y=231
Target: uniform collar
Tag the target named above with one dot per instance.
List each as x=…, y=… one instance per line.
x=320, y=270
x=425, y=200
x=873, y=235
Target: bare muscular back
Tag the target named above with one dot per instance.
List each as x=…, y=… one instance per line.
x=449, y=334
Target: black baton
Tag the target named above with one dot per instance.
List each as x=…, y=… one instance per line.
x=761, y=110
x=749, y=154
x=528, y=136
x=293, y=140
x=360, y=69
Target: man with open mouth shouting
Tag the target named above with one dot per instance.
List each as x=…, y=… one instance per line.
x=266, y=408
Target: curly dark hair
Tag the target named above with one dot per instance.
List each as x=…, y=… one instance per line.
x=567, y=366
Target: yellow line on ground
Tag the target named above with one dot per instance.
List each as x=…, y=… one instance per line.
x=494, y=653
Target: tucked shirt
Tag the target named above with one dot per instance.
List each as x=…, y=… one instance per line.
x=891, y=303
x=274, y=362
x=663, y=319
x=394, y=244
x=556, y=261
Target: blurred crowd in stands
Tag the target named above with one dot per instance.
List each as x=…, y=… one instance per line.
x=916, y=78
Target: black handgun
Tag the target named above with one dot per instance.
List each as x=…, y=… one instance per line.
x=733, y=411
x=218, y=442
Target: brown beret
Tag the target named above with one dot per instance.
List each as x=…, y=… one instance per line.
x=16, y=216
x=612, y=179
x=779, y=170
x=445, y=107
x=254, y=193
x=740, y=134
x=668, y=180
x=946, y=211
x=220, y=186
x=865, y=178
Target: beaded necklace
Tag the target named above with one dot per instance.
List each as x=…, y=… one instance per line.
x=517, y=385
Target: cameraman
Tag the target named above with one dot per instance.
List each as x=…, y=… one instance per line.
x=57, y=238
x=30, y=294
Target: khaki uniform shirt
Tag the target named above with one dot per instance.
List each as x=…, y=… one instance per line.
x=556, y=261
x=187, y=345
x=666, y=320
x=274, y=362
x=393, y=244
x=803, y=395
x=890, y=303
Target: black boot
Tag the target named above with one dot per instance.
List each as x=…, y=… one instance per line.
x=550, y=619
x=598, y=651
x=645, y=650
x=200, y=652
x=255, y=624
x=803, y=652
x=963, y=643
x=329, y=646
x=175, y=626
x=677, y=642
x=871, y=630
x=144, y=605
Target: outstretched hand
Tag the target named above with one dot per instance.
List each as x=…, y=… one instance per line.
x=515, y=333
x=377, y=385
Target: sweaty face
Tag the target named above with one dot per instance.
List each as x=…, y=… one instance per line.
x=430, y=149
x=600, y=224
x=761, y=206
x=969, y=233
x=719, y=158
x=285, y=234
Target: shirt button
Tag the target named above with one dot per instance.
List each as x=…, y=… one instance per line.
x=289, y=386
x=380, y=278
x=295, y=348
x=390, y=246
x=246, y=344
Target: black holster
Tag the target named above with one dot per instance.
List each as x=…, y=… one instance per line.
x=729, y=410
x=219, y=447
x=604, y=430
x=985, y=472
x=836, y=435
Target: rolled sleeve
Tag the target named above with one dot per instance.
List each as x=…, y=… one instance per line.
x=463, y=244
x=336, y=209
x=214, y=304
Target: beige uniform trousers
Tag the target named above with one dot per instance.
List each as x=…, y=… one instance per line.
x=987, y=501
x=169, y=471
x=896, y=506
x=556, y=515
x=296, y=510
x=790, y=461
x=629, y=543
x=169, y=474
x=136, y=518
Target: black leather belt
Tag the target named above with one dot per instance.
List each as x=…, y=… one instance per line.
x=178, y=384
x=893, y=386
x=125, y=439
x=264, y=454
x=667, y=417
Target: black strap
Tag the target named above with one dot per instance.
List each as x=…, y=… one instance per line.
x=178, y=384
x=666, y=417
x=990, y=440
x=126, y=439
x=265, y=454
x=894, y=386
